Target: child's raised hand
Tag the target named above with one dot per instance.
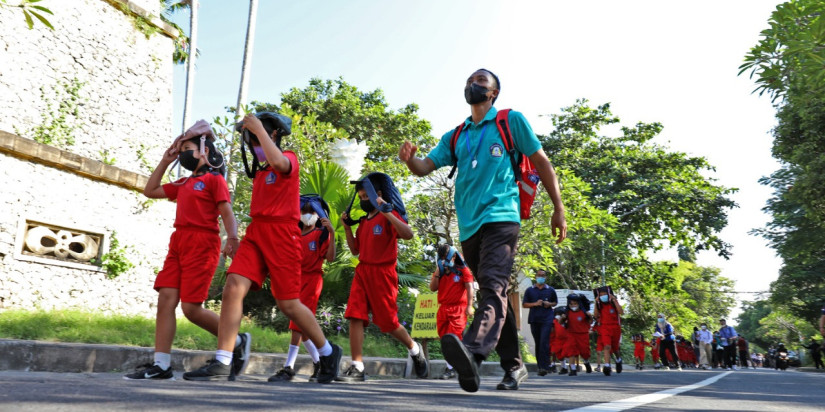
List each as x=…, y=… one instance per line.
x=171, y=153
x=407, y=151
x=344, y=217
x=253, y=124
x=327, y=224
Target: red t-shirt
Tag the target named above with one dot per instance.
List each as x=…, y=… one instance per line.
x=577, y=322
x=377, y=240
x=276, y=195
x=314, y=252
x=198, y=200
x=608, y=315
x=451, y=287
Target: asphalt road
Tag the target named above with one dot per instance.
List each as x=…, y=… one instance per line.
x=747, y=390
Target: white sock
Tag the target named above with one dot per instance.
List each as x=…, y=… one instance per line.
x=291, y=356
x=237, y=340
x=325, y=350
x=415, y=350
x=163, y=360
x=359, y=365
x=223, y=356
x=607, y=365
x=564, y=364
x=313, y=351
x=448, y=365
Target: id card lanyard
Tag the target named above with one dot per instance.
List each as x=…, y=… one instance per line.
x=480, y=139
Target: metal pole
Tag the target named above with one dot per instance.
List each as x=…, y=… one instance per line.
x=190, y=66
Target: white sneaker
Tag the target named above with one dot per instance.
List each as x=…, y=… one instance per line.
x=735, y=368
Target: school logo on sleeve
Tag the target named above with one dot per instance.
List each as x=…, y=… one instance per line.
x=271, y=177
x=612, y=310
x=199, y=186
x=456, y=278
x=377, y=230
x=313, y=246
x=496, y=150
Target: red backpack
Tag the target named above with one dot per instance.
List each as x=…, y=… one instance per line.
x=527, y=178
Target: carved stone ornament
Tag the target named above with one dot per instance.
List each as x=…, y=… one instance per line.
x=59, y=245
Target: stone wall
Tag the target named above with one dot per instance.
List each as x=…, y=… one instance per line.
x=125, y=107
x=124, y=115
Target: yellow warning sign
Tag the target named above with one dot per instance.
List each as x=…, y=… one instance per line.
x=424, y=323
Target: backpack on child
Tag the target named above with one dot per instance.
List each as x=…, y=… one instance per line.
x=527, y=178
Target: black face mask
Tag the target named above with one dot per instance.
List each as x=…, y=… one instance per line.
x=474, y=94
x=188, y=161
x=367, y=206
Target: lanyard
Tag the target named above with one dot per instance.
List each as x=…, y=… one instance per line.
x=480, y=138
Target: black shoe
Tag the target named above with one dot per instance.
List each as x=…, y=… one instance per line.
x=352, y=375
x=284, y=375
x=587, y=367
x=542, y=372
x=448, y=374
x=316, y=367
x=150, y=371
x=512, y=379
x=572, y=372
x=606, y=370
x=240, y=356
x=464, y=363
x=563, y=371
x=212, y=371
x=420, y=364
x=553, y=369
x=618, y=366
x=330, y=365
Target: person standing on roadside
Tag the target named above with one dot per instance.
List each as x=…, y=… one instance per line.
x=541, y=299
x=487, y=205
x=727, y=338
x=705, y=345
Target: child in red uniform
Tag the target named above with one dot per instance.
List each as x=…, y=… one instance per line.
x=375, y=285
x=558, y=339
x=195, y=245
x=318, y=243
x=578, y=340
x=654, y=351
x=454, y=283
x=639, y=350
x=271, y=247
x=607, y=313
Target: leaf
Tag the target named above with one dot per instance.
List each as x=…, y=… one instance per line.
x=42, y=20
x=43, y=9
x=29, y=21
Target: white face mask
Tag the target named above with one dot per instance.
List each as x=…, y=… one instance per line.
x=574, y=308
x=309, y=219
x=704, y=327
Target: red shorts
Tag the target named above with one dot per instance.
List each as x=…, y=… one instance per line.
x=451, y=319
x=639, y=353
x=374, y=289
x=190, y=264
x=577, y=344
x=311, y=285
x=557, y=347
x=609, y=335
x=273, y=249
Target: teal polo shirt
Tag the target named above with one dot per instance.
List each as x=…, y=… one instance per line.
x=488, y=192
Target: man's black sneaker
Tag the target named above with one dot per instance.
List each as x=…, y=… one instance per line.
x=284, y=375
x=542, y=372
x=606, y=370
x=587, y=367
x=512, y=379
x=240, y=356
x=150, y=371
x=316, y=367
x=553, y=369
x=572, y=372
x=352, y=375
x=420, y=364
x=448, y=374
x=212, y=371
x=330, y=365
x=563, y=371
x=464, y=363
x=618, y=366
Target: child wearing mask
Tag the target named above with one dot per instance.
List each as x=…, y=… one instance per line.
x=639, y=344
x=375, y=285
x=608, y=316
x=578, y=328
x=318, y=244
x=667, y=342
x=195, y=245
x=454, y=283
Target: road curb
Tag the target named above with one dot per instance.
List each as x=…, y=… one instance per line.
x=41, y=356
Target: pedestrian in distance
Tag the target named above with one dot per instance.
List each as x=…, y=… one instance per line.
x=608, y=318
x=728, y=338
x=541, y=299
x=578, y=329
x=375, y=284
x=489, y=208
x=639, y=345
x=453, y=281
x=195, y=245
x=317, y=245
x=705, y=339
x=558, y=339
x=271, y=248
x=667, y=343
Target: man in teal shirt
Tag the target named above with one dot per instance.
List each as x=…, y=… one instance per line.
x=487, y=204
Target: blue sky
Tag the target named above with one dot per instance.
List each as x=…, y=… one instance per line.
x=654, y=61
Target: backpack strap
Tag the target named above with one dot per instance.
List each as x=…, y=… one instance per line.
x=453, y=141
x=503, y=125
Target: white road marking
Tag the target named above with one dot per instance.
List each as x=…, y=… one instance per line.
x=640, y=400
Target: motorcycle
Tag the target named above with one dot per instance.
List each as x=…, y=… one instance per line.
x=782, y=360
